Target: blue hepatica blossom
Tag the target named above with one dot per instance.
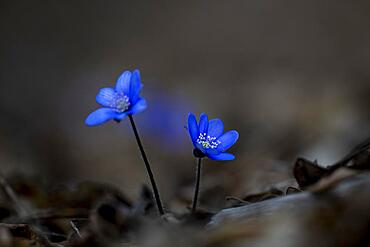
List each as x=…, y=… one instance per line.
x=118, y=102
x=208, y=138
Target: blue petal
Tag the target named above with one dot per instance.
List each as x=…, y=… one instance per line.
x=123, y=83
x=135, y=86
x=203, y=123
x=222, y=156
x=215, y=128
x=193, y=128
x=138, y=107
x=100, y=116
x=121, y=116
x=105, y=97
x=227, y=140
x=212, y=151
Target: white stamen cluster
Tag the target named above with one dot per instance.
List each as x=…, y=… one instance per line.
x=207, y=141
x=120, y=102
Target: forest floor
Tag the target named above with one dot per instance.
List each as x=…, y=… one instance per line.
x=325, y=206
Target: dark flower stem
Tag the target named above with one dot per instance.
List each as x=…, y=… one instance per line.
x=197, y=184
x=149, y=170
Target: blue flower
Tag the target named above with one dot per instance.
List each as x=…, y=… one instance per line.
x=208, y=138
x=119, y=102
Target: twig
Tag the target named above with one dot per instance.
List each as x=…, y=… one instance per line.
x=9, y=192
x=81, y=214
x=228, y=198
x=74, y=227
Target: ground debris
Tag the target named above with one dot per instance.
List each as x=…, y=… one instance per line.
x=314, y=202
x=335, y=212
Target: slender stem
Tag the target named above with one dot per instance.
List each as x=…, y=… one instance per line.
x=197, y=184
x=149, y=170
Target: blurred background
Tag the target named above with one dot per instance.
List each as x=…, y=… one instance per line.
x=293, y=77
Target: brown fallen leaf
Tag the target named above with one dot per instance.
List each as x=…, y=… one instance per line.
x=332, y=179
x=307, y=172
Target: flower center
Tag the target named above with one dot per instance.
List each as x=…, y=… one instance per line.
x=207, y=141
x=121, y=102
